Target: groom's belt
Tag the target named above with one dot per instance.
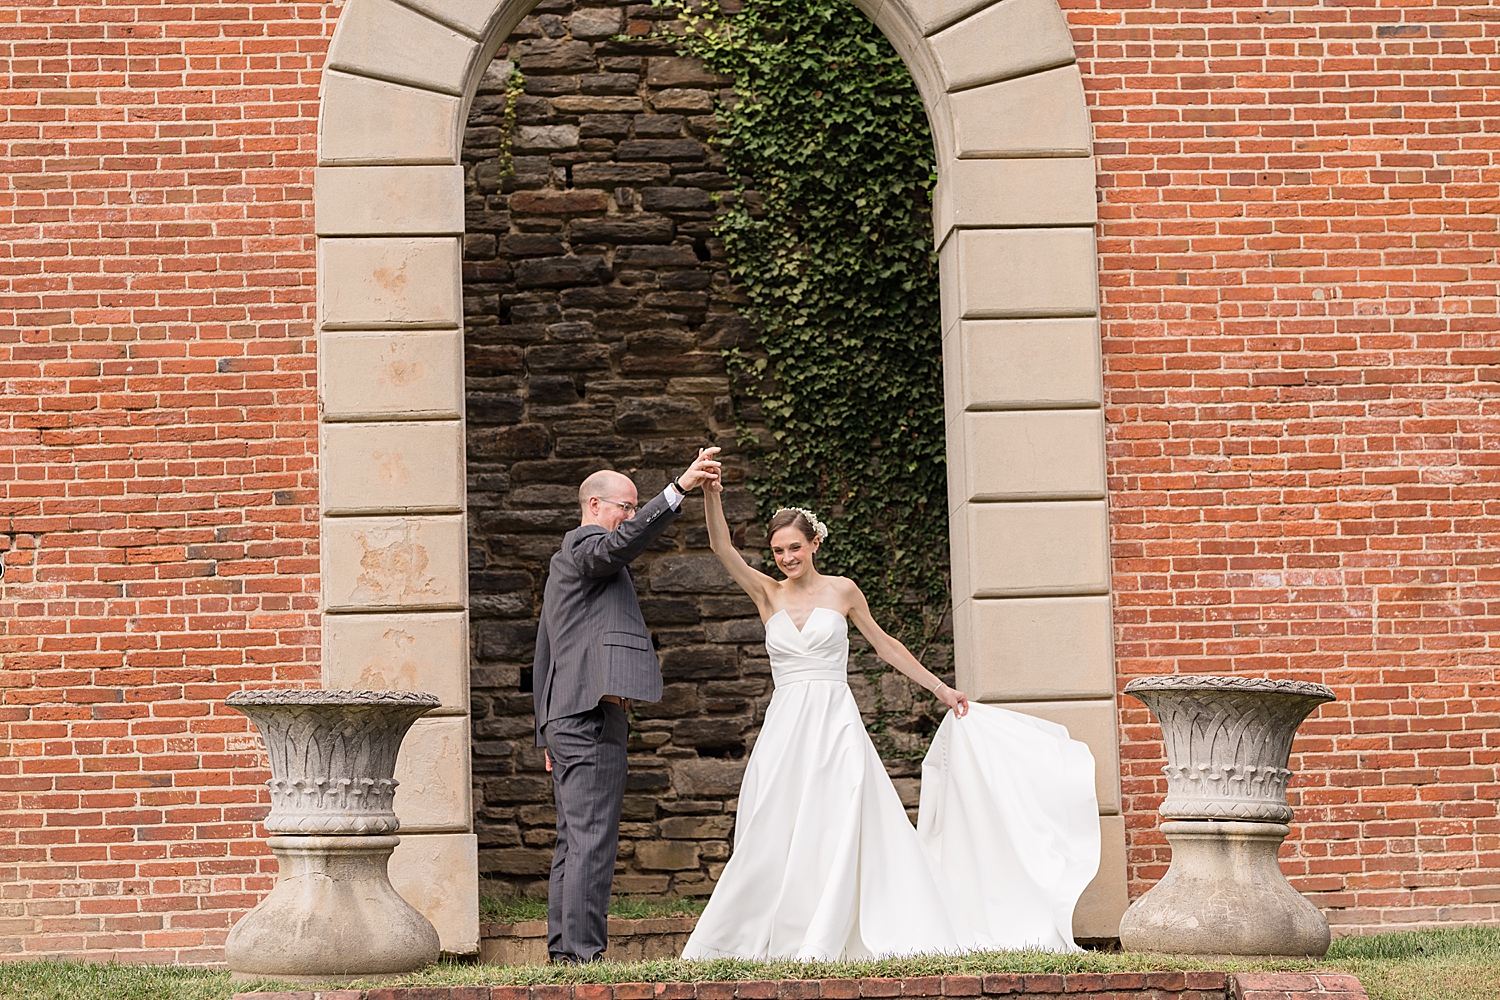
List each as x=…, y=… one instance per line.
x=615, y=699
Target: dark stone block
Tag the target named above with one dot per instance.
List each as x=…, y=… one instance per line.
x=692, y=663
x=638, y=228
x=662, y=149
x=608, y=297
x=551, y=390
x=644, y=416
x=558, y=202
x=668, y=199
x=567, y=357
x=491, y=360
x=678, y=71
x=668, y=611
x=608, y=175
x=530, y=245
x=506, y=640
x=685, y=280
x=603, y=126
x=524, y=441
x=493, y=408
x=648, y=781
x=559, y=272
x=658, y=126
x=578, y=447
x=553, y=55
x=711, y=734
x=652, y=256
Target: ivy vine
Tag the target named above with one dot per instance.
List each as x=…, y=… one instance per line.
x=829, y=238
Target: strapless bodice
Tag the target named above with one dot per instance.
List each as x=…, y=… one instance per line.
x=820, y=652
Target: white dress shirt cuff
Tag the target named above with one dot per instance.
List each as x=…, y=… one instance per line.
x=671, y=496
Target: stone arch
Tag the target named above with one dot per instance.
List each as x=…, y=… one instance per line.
x=1013, y=215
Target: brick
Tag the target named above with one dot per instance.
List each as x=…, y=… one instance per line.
x=756, y=989
x=922, y=986
x=876, y=987
x=962, y=986
x=1085, y=982
x=839, y=989
x=797, y=989
x=1000, y=983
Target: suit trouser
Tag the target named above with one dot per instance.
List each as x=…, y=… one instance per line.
x=588, y=786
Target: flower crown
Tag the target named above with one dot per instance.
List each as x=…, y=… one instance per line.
x=819, y=528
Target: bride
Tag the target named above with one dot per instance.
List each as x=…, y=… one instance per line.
x=826, y=865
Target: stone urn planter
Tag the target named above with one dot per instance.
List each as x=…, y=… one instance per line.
x=333, y=913
x=1228, y=741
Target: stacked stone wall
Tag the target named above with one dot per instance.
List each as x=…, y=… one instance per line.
x=597, y=313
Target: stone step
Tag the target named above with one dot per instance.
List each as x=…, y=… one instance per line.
x=525, y=942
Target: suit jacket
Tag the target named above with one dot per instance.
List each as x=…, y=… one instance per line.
x=591, y=640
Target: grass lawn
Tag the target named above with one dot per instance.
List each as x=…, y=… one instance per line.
x=1453, y=964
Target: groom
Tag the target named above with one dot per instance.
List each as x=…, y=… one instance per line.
x=593, y=656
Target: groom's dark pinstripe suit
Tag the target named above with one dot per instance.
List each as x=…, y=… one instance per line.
x=591, y=642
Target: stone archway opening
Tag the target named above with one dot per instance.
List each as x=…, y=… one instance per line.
x=1014, y=212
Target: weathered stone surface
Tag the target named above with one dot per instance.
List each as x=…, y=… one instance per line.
x=315, y=924
x=1228, y=741
x=676, y=199
x=333, y=754
x=692, y=573
x=708, y=778
x=556, y=272
x=535, y=138
x=595, y=23
x=438, y=874
x=372, y=121
x=554, y=55
x=666, y=855
x=1225, y=894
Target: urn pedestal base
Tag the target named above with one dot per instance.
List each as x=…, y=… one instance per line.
x=1224, y=894
x=332, y=915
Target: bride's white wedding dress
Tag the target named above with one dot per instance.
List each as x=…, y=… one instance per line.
x=826, y=864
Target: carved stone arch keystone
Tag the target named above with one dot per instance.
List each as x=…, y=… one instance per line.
x=1013, y=216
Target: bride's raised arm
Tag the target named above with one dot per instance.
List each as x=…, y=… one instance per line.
x=751, y=580
x=892, y=651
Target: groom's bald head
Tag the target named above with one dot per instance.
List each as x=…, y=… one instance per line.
x=606, y=485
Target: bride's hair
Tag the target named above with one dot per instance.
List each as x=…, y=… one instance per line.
x=796, y=517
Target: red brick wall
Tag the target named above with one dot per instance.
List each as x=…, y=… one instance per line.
x=1302, y=382
x=158, y=461
x=1299, y=289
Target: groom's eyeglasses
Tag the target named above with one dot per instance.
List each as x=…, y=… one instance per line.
x=628, y=508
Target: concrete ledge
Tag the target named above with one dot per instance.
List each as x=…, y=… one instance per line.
x=1197, y=985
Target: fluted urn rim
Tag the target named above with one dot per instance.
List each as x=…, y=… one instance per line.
x=312, y=697
x=1206, y=682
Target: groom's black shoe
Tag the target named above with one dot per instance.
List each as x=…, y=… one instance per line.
x=562, y=960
